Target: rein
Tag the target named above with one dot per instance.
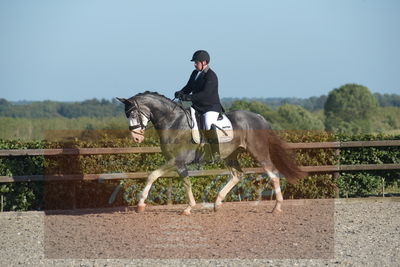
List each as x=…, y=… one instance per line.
x=186, y=111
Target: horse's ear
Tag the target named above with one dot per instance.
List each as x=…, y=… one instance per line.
x=123, y=100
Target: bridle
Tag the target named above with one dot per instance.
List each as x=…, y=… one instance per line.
x=135, y=107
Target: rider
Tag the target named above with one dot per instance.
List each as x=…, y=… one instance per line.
x=202, y=90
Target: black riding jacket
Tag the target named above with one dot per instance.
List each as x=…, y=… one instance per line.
x=204, y=91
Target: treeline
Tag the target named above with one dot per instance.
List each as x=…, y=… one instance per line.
x=43, y=128
x=349, y=109
x=310, y=104
x=313, y=103
x=51, y=109
x=110, y=108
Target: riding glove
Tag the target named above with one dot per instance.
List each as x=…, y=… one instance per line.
x=185, y=97
x=178, y=94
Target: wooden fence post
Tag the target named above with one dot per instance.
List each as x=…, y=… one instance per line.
x=169, y=192
x=74, y=195
x=1, y=203
x=336, y=174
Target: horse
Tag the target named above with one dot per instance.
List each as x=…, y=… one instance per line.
x=252, y=133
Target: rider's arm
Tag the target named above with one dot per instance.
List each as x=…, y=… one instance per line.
x=188, y=88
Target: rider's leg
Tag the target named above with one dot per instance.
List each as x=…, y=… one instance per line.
x=210, y=119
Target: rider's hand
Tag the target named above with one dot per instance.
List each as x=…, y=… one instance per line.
x=178, y=94
x=185, y=97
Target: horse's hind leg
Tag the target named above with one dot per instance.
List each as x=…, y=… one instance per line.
x=150, y=180
x=265, y=160
x=272, y=173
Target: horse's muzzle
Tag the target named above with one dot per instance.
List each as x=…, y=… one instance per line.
x=137, y=136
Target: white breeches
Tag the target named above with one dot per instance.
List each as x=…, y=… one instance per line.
x=210, y=118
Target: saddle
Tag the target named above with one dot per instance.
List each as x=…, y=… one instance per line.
x=223, y=128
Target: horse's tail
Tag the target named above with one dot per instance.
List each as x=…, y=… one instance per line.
x=282, y=159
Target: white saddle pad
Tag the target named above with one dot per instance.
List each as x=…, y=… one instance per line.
x=224, y=129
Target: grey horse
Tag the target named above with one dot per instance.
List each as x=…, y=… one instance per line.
x=252, y=133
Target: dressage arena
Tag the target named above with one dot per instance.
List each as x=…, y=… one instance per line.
x=332, y=232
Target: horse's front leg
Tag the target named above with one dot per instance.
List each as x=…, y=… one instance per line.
x=235, y=178
x=150, y=180
x=189, y=194
x=183, y=172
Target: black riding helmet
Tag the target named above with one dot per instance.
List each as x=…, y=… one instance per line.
x=201, y=55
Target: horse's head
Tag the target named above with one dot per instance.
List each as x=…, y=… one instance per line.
x=136, y=117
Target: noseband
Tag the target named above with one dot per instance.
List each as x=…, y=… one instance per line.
x=135, y=106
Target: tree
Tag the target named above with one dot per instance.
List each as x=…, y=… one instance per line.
x=260, y=108
x=349, y=109
x=296, y=117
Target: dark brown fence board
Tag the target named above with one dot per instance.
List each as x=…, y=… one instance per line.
x=381, y=143
x=78, y=151
x=131, y=150
x=141, y=175
x=313, y=145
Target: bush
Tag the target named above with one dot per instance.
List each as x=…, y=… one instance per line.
x=359, y=183
x=85, y=194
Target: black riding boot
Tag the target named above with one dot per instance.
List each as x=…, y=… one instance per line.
x=212, y=145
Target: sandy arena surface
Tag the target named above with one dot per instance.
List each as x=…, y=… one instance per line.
x=340, y=232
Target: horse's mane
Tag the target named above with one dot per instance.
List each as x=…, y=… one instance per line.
x=152, y=94
x=161, y=97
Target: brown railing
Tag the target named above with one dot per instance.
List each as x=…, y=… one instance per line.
x=138, y=175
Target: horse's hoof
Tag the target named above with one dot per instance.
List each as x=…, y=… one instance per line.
x=276, y=211
x=217, y=207
x=186, y=212
x=140, y=208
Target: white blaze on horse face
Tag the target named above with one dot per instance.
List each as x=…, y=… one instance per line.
x=134, y=121
x=145, y=120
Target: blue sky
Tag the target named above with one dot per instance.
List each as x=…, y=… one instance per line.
x=72, y=50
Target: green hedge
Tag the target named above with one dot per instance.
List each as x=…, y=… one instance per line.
x=85, y=194
x=362, y=183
